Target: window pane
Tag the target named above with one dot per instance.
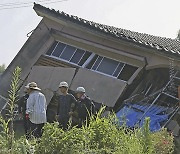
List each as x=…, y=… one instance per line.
x=77, y=56
x=85, y=57
x=89, y=66
x=49, y=52
x=60, y=47
x=68, y=53
x=107, y=66
x=127, y=72
x=97, y=62
x=120, y=66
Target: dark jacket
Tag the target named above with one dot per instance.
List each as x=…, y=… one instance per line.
x=66, y=104
x=85, y=108
x=22, y=105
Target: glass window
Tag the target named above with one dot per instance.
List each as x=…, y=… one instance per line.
x=112, y=67
x=97, y=62
x=127, y=72
x=68, y=52
x=58, y=50
x=118, y=69
x=84, y=58
x=77, y=56
x=107, y=66
x=49, y=52
x=91, y=63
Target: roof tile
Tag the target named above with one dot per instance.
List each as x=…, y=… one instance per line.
x=161, y=44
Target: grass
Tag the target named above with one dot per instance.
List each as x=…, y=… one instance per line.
x=102, y=135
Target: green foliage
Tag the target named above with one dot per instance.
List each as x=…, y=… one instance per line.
x=147, y=137
x=13, y=94
x=8, y=144
x=102, y=135
x=163, y=142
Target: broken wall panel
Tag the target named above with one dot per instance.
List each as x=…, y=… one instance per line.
x=48, y=78
x=99, y=88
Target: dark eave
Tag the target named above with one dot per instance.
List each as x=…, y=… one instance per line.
x=166, y=46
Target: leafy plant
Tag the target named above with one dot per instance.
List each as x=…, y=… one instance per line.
x=101, y=135
x=163, y=142
x=8, y=143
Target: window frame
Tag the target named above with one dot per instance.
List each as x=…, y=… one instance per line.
x=89, y=59
x=69, y=61
x=116, y=77
x=117, y=68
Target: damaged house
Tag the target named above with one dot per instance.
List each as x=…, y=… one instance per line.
x=133, y=73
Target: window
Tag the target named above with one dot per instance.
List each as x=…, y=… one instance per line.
x=49, y=52
x=68, y=53
x=91, y=63
x=127, y=72
x=107, y=66
x=76, y=58
x=59, y=49
x=118, y=69
x=111, y=67
x=97, y=63
x=84, y=58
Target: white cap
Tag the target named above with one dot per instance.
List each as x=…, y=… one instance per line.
x=63, y=84
x=81, y=90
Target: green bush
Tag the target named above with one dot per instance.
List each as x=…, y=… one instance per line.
x=102, y=135
x=163, y=142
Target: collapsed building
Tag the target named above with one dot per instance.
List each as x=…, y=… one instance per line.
x=118, y=68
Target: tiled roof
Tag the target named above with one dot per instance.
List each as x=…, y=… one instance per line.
x=164, y=45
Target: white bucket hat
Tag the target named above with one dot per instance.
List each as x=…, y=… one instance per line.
x=32, y=85
x=63, y=84
x=81, y=90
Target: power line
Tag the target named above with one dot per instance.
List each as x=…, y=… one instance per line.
x=30, y=5
x=20, y=3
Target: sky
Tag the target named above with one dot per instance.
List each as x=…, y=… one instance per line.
x=156, y=17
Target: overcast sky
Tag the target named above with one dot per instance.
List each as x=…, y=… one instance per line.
x=156, y=17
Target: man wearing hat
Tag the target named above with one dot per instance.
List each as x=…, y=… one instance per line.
x=36, y=109
x=85, y=105
x=66, y=105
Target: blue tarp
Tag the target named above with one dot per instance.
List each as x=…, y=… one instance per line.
x=131, y=116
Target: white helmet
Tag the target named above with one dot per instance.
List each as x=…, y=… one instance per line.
x=81, y=90
x=63, y=84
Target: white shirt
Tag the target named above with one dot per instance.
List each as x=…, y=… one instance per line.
x=36, y=107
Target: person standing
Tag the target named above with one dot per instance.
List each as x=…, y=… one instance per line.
x=22, y=111
x=36, y=109
x=85, y=105
x=66, y=106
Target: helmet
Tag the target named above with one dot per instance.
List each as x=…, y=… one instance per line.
x=63, y=84
x=80, y=89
